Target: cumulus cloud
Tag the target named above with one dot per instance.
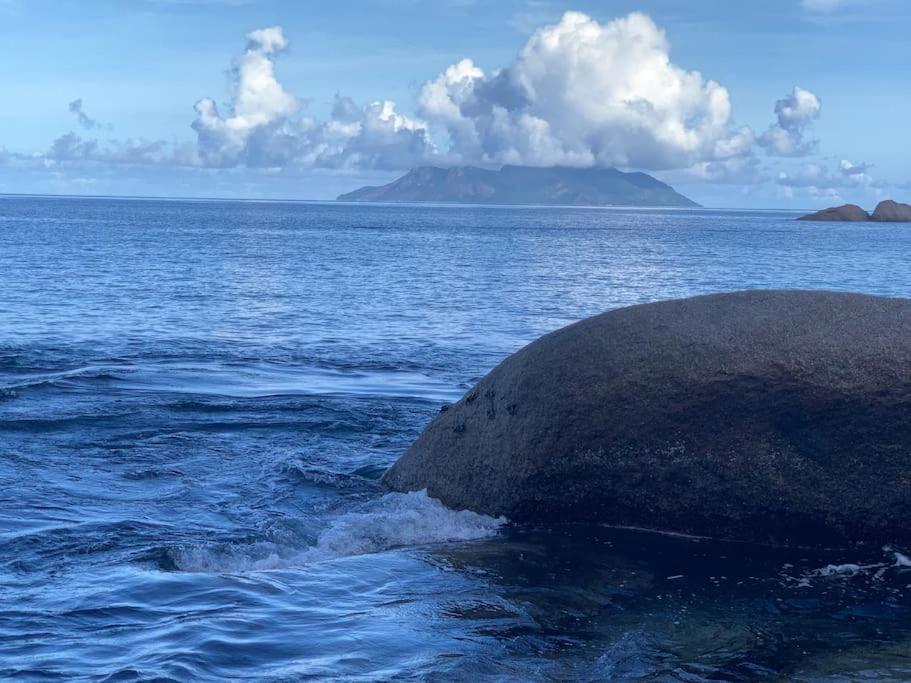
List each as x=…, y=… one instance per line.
x=581, y=93
x=578, y=93
x=264, y=125
x=374, y=136
x=260, y=103
x=795, y=113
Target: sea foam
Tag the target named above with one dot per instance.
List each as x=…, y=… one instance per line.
x=896, y=561
x=395, y=520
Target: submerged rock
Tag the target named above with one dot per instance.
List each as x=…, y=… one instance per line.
x=847, y=212
x=891, y=211
x=768, y=416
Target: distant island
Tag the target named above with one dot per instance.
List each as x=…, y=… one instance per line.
x=524, y=185
x=887, y=211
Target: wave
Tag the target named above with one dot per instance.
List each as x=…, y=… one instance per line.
x=393, y=521
x=318, y=472
x=242, y=379
x=59, y=378
x=263, y=380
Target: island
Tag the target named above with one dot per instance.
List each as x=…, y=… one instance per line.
x=525, y=185
x=887, y=211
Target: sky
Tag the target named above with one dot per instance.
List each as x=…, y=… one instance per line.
x=783, y=103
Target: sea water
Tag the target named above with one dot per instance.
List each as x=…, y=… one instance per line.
x=197, y=401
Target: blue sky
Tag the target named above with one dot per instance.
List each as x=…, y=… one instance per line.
x=174, y=97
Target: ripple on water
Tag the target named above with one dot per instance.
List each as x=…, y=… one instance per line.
x=197, y=400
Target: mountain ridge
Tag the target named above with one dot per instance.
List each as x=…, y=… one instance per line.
x=555, y=185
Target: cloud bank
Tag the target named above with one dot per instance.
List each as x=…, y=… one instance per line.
x=578, y=93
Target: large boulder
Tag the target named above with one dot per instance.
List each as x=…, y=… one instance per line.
x=768, y=416
x=892, y=212
x=846, y=212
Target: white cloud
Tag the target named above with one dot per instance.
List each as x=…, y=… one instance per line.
x=744, y=170
x=581, y=93
x=824, y=184
x=265, y=127
x=797, y=109
x=259, y=101
x=820, y=179
x=795, y=113
x=71, y=147
x=853, y=170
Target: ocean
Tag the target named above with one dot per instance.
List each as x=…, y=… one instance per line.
x=198, y=398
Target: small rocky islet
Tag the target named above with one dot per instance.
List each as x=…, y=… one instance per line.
x=887, y=211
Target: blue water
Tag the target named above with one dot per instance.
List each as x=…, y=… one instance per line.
x=197, y=400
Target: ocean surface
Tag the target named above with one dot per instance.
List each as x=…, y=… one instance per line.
x=197, y=400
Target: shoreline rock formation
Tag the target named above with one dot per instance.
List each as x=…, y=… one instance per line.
x=846, y=212
x=779, y=417
x=887, y=211
x=892, y=211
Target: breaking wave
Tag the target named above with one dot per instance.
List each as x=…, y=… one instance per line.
x=393, y=521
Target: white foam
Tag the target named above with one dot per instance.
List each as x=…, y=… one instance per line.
x=393, y=521
x=878, y=570
x=840, y=570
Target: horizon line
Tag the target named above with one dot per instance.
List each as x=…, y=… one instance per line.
x=178, y=198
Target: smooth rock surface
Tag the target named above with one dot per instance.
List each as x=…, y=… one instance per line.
x=767, y=416
x=846, y=212
x=892, y=212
